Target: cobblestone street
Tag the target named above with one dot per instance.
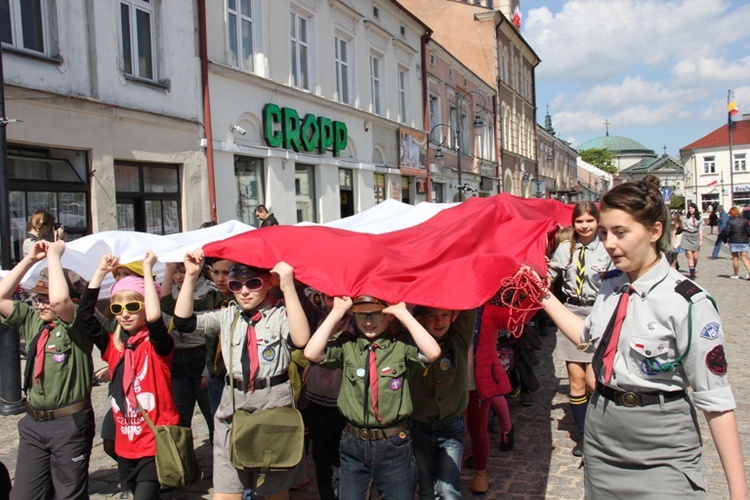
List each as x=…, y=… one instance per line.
x=541, y=466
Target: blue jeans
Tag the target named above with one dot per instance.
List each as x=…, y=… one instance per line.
x=717, y=246
x=387, y=463
x=438, y=447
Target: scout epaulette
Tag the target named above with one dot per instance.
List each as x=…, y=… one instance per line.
x=687, y=289
x=611, y=274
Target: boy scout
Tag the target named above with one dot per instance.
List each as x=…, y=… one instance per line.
x=57, y=433
x=374, y=398
x=440, y=394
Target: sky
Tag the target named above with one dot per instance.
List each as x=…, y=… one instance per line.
x=658, y=71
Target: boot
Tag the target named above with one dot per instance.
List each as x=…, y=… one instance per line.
x=507, y=441
x=480, y=483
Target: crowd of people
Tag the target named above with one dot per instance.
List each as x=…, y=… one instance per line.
x=387, y=391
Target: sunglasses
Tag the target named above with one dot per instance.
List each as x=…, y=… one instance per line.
x=40, y=299
x=372, y=316
x=132, y=307
x=252, y=284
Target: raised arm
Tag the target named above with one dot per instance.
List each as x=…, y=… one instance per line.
x=299, y=328
x=59, y=293
x=9, y=284
x=426, y=343
x=316, y=347
x=151, y=298
x=193, y=265
x=107, y=265
x=168, y=282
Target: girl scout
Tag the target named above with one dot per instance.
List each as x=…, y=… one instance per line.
x=656, y=334
x=581, y=264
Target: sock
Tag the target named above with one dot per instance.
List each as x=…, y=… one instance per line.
x=692, y=270
x=578, y=406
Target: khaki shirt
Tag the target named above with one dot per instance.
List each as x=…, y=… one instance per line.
x=656, y=327
x=68, y=367
x=441, y=391
x=272, y=333
x=596, y=261
x=396, y=356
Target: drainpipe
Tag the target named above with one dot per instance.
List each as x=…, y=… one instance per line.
x=203, y=51
x=496, y=144
x=426, y=111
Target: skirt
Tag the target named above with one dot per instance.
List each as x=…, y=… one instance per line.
x=691, y=241
x=567, y=350
x=646, y=452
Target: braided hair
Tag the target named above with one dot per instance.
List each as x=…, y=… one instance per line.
x=643, y=201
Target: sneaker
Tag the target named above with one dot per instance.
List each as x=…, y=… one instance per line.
x=507, y=441
x=526, y=399
x=746, y=277
x=734, y=277
x=578, y=449
x=514, y=392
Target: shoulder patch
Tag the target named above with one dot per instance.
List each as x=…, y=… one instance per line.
x=716, y=361
x=687, y=289
x=611, y=274
x=710, y=331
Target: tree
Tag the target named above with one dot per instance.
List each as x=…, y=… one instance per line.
x=676, y=202
x=601, y=158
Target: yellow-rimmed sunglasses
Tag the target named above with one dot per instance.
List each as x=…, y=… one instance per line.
x=132, y=307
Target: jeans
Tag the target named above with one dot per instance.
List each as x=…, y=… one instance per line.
x=717, y=246
x=387, y=463
x=187, y=371
x=216, y=385
x=438, y=447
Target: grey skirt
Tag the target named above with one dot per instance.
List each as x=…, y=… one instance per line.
x=691, y=241
x=567, y=350
x=647, y=452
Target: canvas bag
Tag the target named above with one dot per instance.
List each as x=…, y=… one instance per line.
x=265, y=440
x=176, y=463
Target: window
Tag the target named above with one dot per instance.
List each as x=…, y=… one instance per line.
x=709, y=165
x=434, y=110
x=707, y=200
x=23, y=24
x=466, y=134
x=346, y=192
x=405, y=190
x=304, y=188
x=241, y=31
x=403, y=95
x=300, y=47
x=379, y=188
x=450, y=73
x=432, y=59
x=437, y=192
x=249, y=174
x=375, y=67
x=51, y=180
x=739, y=163
x=376, y=13
x=341, y=56
x=148, y=197
x=452, y=123
x=138, y=44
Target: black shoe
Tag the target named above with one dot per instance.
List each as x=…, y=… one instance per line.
x=527, y=399
x=469, y=462
x=507, y=441
x=578, y=449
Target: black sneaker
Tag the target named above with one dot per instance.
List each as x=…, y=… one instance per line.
x=507, y=441
x=527, y=399
x=578, y=449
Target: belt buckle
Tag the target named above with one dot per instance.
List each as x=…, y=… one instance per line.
x=629, y=399
x=43, y=415
x=363, y=434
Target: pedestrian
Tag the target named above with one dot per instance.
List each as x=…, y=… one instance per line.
x=723, y=220
x=41, y=226
x=266, y=218
x=439, y=396
x=581, y=262
x=655, y=335
x=257, y=337
x=713, y=220
x=375, y=398
x=692, y=237
x=675, y=241
x=139, y=354
x=57, y=432
x=738, y=236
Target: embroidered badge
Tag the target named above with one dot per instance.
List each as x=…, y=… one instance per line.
x=386, y=370
x=710, y=331
x=395, y=384
x=361, y=372
x=598, y=277
x=60, y=357
x=646, y=370
x=716, y=361
x=445, y=364
x=269, y=353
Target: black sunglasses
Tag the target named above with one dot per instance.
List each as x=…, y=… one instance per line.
x=252, y=284
x=372, y=316
x=132, y=307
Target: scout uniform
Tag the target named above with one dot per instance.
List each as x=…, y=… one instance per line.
x=642, y=438
x=271, y=387
x=375, y=446
x=57, y=433
x=440, y=394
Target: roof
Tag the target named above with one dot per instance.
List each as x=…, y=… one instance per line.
x=618, y=145
x=720, y=137
x=661, y=165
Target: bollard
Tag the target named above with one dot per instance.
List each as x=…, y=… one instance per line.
x=11, y=401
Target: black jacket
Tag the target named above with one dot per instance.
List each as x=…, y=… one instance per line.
x=738, y=230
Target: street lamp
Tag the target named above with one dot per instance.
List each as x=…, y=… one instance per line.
x=456, y=135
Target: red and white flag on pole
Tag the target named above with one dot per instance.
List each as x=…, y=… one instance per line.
x=712, y=183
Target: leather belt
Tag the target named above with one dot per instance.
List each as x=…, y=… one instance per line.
x=579, y=302
x=378, y=433
x=633, y=399
x=184, y=351
x=46, y=415
x=260, y=383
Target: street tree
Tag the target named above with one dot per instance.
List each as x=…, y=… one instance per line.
x=601, y=158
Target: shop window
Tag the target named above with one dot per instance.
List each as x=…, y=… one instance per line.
x=249, y=174
x=346, y=192
x=148, y=198
x=52, y=180
x=405, y=190
x=379, y=188
x=438, y=190
x=707, y=200
x=304, y=189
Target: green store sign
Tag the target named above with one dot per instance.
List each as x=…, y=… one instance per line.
x=302, y=134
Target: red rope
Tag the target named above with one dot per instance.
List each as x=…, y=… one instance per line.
x=521, y=293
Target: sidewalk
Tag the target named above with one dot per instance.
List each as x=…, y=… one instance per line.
x=541, y=465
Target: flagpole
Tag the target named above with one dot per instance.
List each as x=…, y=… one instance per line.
x=731, y=157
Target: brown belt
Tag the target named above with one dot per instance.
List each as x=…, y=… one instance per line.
x=63, y=411
x=632, y=399
x=381, y=433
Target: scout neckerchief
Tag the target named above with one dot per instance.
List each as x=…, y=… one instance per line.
x=604, y=357
x=581, y=271
x=371, y=381
x=249, y=355
x=129, y=371
x=39, y=346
